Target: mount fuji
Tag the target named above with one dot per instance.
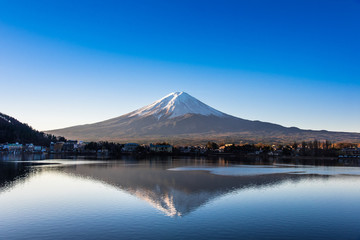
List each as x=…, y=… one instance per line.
x=181, y=118
x=175, y=105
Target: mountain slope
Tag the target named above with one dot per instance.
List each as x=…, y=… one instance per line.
x=11, y=130
x=180, y=118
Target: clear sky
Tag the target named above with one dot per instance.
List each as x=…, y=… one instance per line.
x=295, y=63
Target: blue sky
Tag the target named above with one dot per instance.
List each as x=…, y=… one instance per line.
x=295, y=63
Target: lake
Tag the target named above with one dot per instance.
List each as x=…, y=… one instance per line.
x=177, y=198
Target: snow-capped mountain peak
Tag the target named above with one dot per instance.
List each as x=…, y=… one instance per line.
x=177, y=104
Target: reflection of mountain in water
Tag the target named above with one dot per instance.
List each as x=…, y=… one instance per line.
x=176, y=193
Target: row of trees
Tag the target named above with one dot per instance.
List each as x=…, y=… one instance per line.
x=114, y=148
x=325, y=148
x=309, y=148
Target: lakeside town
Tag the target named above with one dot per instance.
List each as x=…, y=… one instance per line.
x=305, y=149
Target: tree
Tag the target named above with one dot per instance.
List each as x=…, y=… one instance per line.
x=212, y=145
x=303, y=148
x=295, y=146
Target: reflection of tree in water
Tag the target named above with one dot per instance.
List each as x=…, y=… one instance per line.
x=15, y=167
x=11, y=172
x=22, y=157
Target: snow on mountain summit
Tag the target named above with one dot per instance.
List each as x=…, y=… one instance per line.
x=177, y=104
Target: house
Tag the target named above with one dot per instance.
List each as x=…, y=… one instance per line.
x=52, y=147
x=15, y=147
x=130, y=147
x=29, y=147
x=351, y=152
x=186, y=149
x=161, y=148
x=58, y=146
x=81, y=146
x=39, y=149
x=222, y=149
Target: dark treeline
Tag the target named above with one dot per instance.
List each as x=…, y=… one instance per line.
x=11, y=130
x=232, y=148
x=311, y=148
x=114, y=148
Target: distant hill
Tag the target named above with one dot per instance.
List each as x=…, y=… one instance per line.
x=180, y=118
x=11, y=130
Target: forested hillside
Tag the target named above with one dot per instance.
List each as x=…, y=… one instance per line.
x=11, y=130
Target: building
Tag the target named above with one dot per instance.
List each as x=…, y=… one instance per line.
x=69, y=146
x=39, y=149
x=221, y=149
x=52, y=145
x=81, y=146
x=186, y=149
x=58, y=146
x=161, y=148
x=351, y=152
x=29, y=147
x=14, y=147
x=130, y=147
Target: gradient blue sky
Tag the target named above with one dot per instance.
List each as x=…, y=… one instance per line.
x=295, y=63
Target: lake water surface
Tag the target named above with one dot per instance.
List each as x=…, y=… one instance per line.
x=177, y=198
